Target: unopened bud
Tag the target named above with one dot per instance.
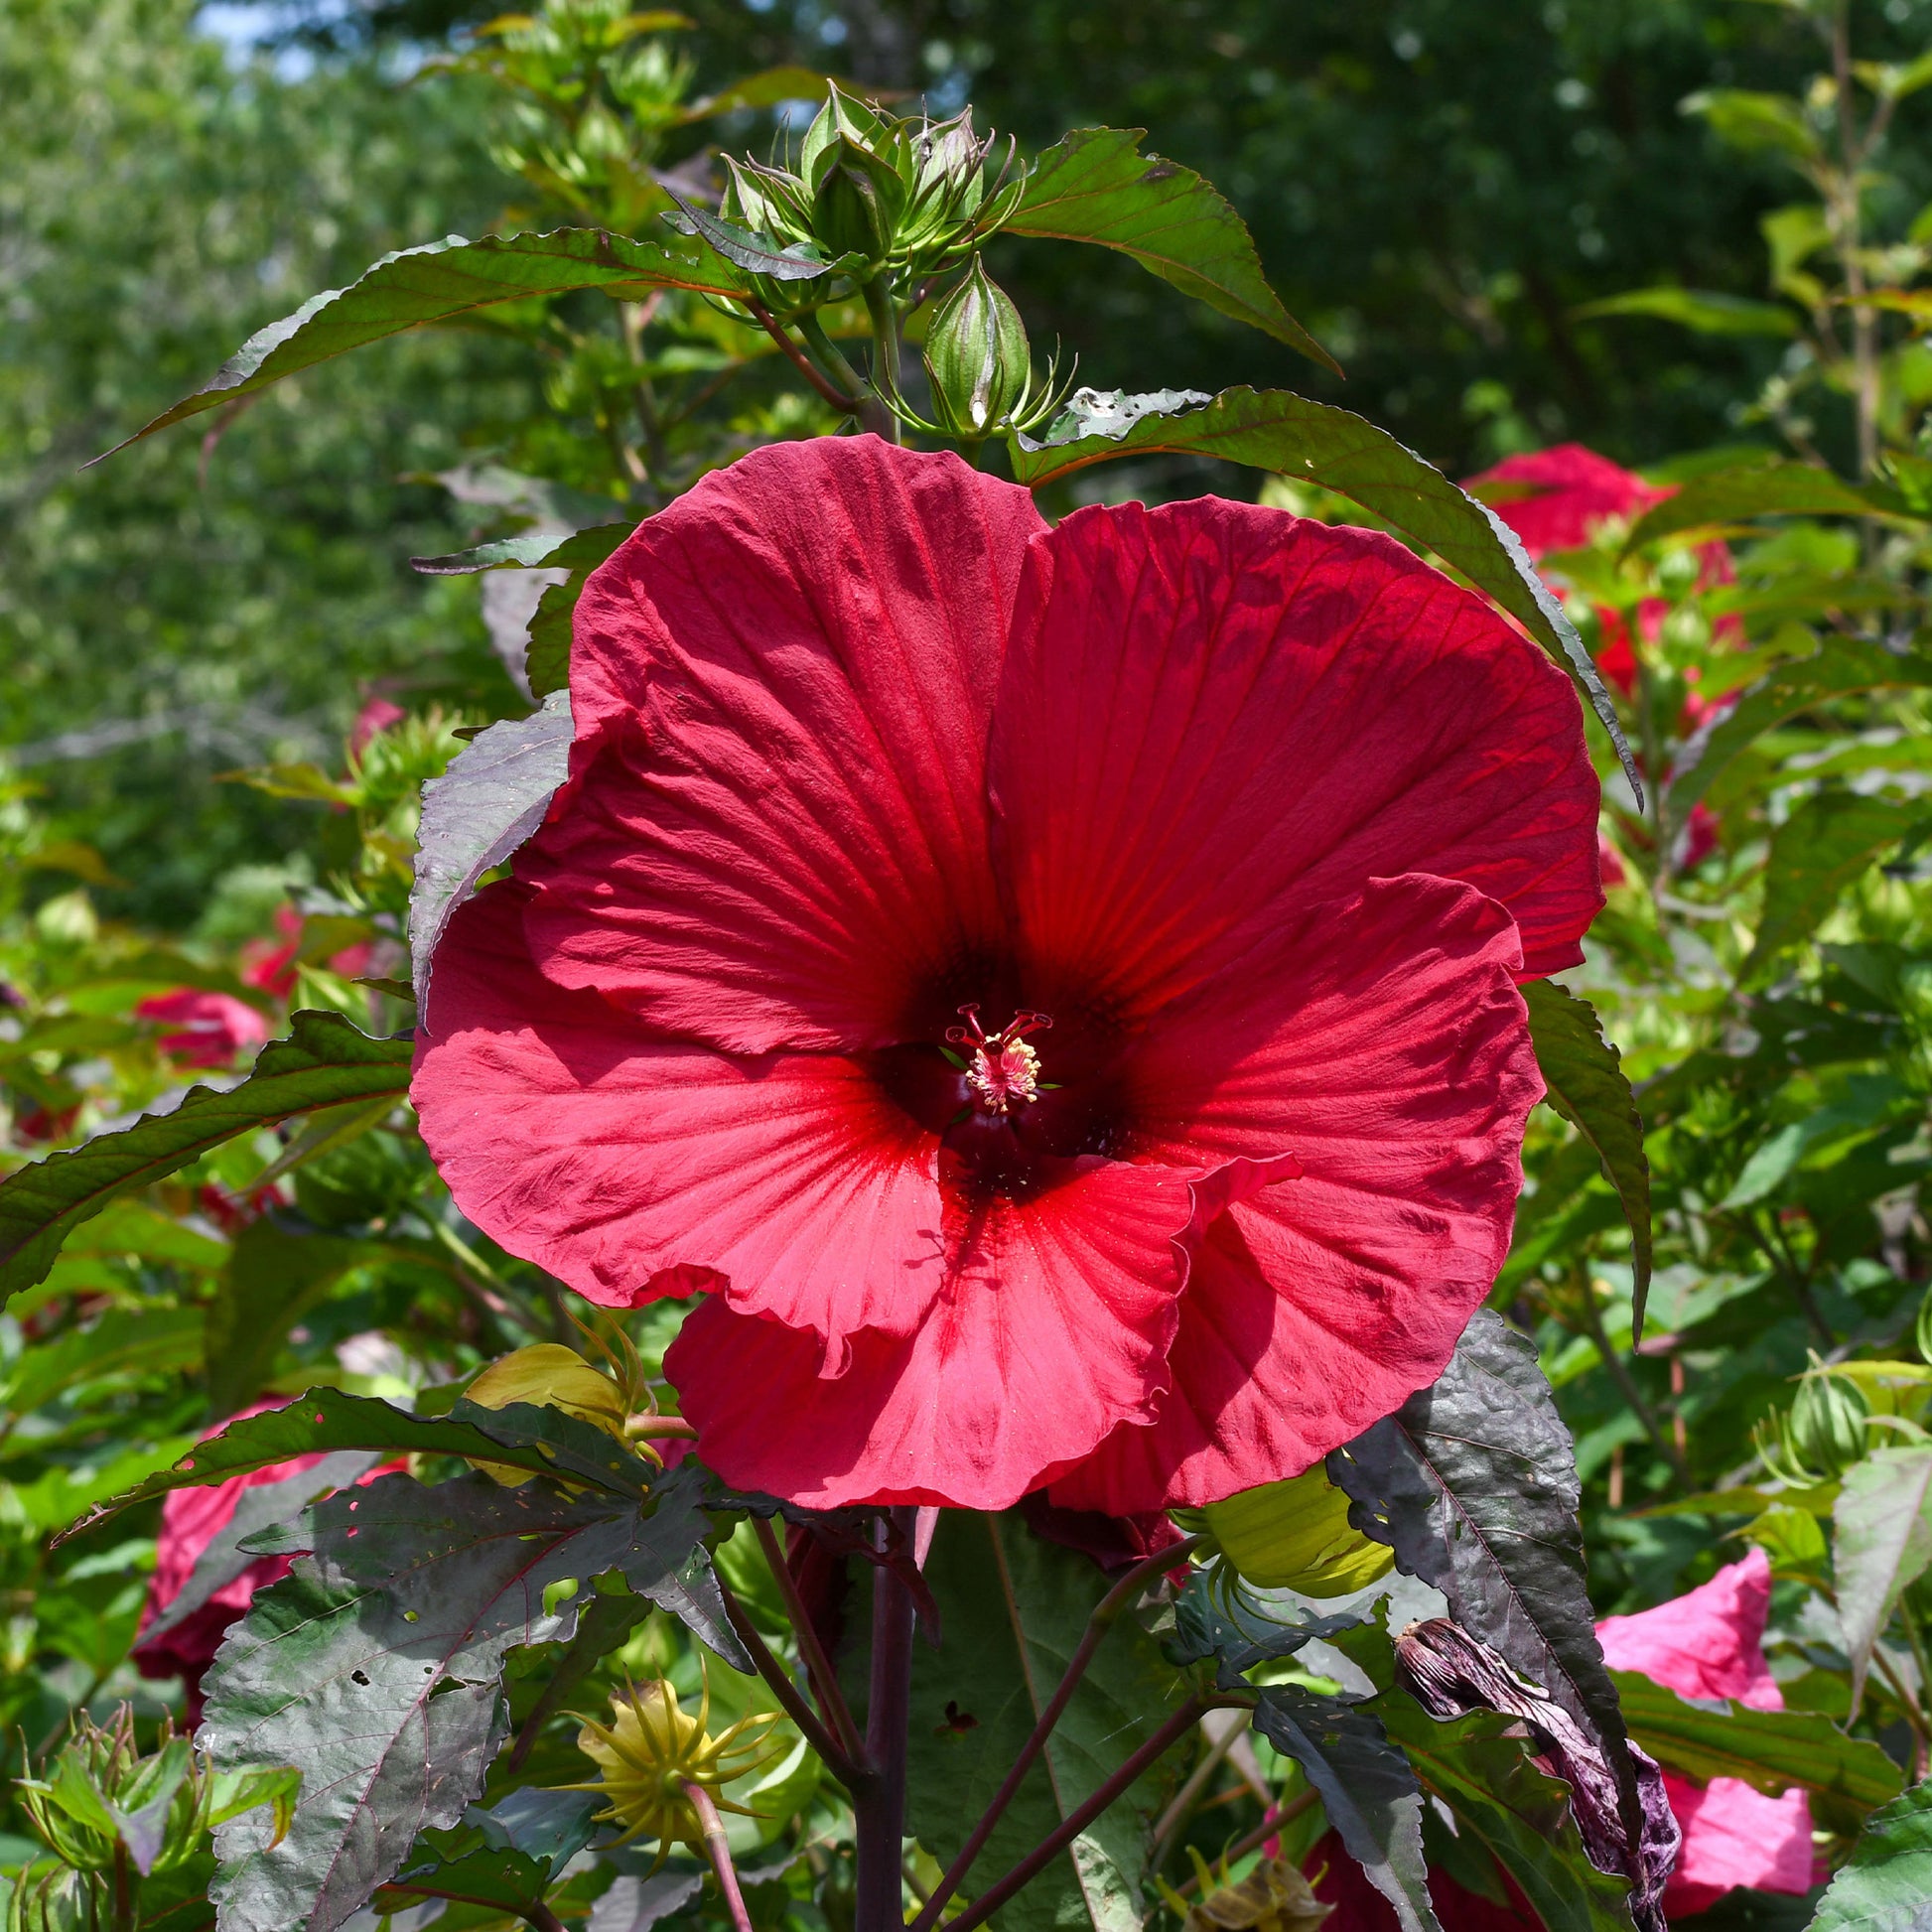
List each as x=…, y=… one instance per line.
x=1296, y=1534
x=977, y=357
x=1828, y=1429
x=856, y=207
x=548, y=1376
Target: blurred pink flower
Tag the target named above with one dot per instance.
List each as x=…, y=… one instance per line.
x=1709, y=1644
x=377, y=715
x=272, y=967
x=204, y=1028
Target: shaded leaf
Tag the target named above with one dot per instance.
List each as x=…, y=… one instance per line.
x=1883, y=1541
x=1522, y=1816
x=491, y=799
x=1845, y=666
x=1368, y=1789
x=1586, y=1084
x=257, y=1508
x=1474, y=1485
x=546, y=662
x=440, y=280
x=1703, y=310
x=533, y=550
x=144, y=1341
x=374, y=1669
x=1014, y=1607
x=1886, y=1886
x=507, y=1856
x=324, y=1062
x=1825, y=846
x=1094, y=185
x=1770, y=1750
x=1239, y=1631
x=766, y=88
x=274, y=1276
x=1272, y=429
x=800, y=261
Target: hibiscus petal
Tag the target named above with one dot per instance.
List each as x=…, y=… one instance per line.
x=1053, y=1329
x=776, y=831
x=1735, y=1835
x=1706, y=1643
x=1213, y=711
x=1382, y=1042
x=626, y=1164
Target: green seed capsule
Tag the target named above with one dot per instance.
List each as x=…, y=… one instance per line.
x=1828, y=1431
x=977, y=357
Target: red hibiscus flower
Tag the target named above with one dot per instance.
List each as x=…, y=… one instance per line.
x=1568, y=493
x=1709, y=1644
x=203, y=1029
x=1051, y=989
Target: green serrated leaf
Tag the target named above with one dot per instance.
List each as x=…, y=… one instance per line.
x=1586, y=1084
x=1314, y=442
x=438, y=281
x=1474, y=1485
x=536, y=550
x=1095, y=185
x=1770, y=1750
x=324, y=1062
x=1886, y=1886
x=1825, y=846
x=491, y=799
x=374, y=1669
x=1012, y=1607
x=1842, y=668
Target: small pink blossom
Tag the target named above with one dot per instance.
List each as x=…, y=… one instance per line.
x=204, y=1028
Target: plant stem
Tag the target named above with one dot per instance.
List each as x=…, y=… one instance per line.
x=1269, y=1825
x=1620, y=1373
x=818, y=1667
x=884, y=336
x=797, y=1707
x=880, y=1814
x=1077, y=1820
x=721, y=1855
x=1105, y=1613
x=540, y=1919
x=804, y=364
x=1845, y=224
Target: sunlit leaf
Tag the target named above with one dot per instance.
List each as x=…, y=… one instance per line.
x=1883, y=1543
x=1888, y=1878
x=1708, y=312
x=1761, y=489
x=1586, y=1084
x=1095, y=185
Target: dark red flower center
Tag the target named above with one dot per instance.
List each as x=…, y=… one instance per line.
x=1002, y=1070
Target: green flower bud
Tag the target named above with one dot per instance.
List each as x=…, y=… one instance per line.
x=977, y=357
x=1296, y=1534
x=857, y=204
x=1827, y=1430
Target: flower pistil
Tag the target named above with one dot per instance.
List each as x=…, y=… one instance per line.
x=1003, y=1072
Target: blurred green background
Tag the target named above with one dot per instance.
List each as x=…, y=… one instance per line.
x=1435, y=189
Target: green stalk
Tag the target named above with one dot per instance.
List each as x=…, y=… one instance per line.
x=884, y=336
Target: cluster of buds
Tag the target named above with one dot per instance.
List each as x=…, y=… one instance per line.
x=112, y=1817
x=877, y=192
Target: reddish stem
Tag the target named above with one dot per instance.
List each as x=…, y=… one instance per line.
x=721, y=1857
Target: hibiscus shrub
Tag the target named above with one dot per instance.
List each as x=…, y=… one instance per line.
x=876, y=1244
